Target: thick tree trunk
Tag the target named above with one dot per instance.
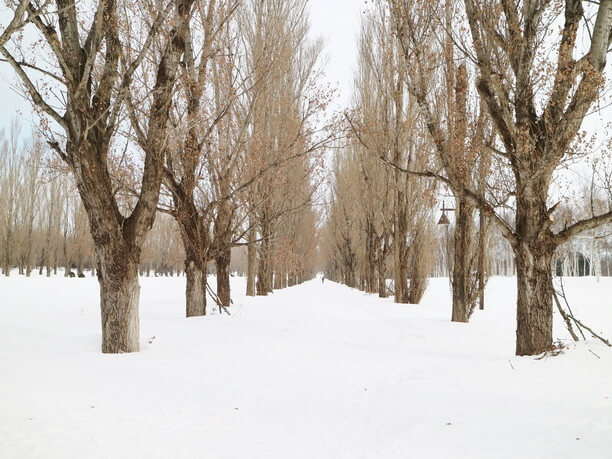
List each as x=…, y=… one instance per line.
x=119, y=295
x=223, y=277
x=533, y=258
x=195, y=289
x=534, y=317
x=462, y=275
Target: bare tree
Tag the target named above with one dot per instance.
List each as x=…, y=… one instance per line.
x=537, y=95
x=91, y=68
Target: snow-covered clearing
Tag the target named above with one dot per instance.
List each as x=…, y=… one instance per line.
x=315, y=371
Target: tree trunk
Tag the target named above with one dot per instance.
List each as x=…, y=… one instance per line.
x=400, y=259
x=279, y=273
x=264, y=274
x=534, y=318
x=481, y=258
x=251, y=260
x=119, y=295
x=80, y=265
x=223, y=277
x=7, y=249
x=462, y=275
x=533, y=259
x=195, y=289
x=382, y=285
x=284, y=280
x=370, y=261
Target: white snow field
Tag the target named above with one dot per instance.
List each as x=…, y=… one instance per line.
x=314, y=371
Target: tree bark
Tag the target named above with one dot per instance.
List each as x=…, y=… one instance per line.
x=251, y=260
x=195, y=289
x=222, y=261
x=119, y=295
x=481, y=258
x=278, y=278
x=371, y=284
x=264, y=274
x=534, y=316
x=382, y=279
x=400, y=252
x=534, y=253
x=462, y=273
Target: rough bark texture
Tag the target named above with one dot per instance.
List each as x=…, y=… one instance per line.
x=534, y=305
x=533, y=252
x=222, y=262
x=195, y=289
x=119, y=295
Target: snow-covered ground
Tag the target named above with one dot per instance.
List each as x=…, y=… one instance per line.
x=314, y=371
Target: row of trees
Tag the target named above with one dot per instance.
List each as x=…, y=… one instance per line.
x=486, y=98
x=205, y=110
x=210, y=112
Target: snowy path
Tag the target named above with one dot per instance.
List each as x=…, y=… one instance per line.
x=315, y=371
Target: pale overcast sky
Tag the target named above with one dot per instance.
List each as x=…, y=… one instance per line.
x=337, y=21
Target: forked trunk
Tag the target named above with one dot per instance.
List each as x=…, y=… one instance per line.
x=119, y=295
x=195, y=289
